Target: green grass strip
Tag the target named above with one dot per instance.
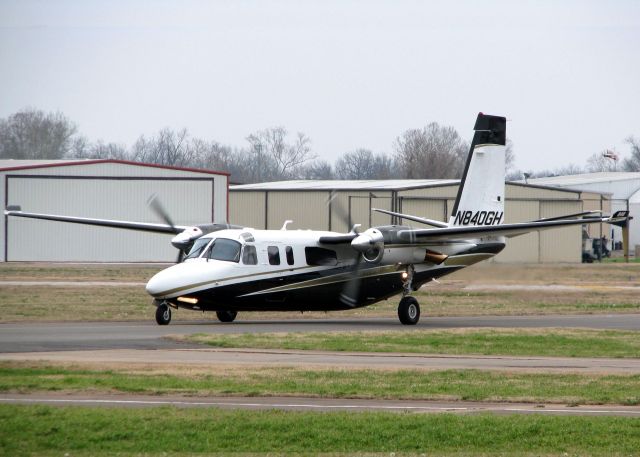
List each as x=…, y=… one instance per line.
x=45, y=430
x=405, y=384
x=522, y=342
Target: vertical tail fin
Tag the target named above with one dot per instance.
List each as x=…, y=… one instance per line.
x=480, y=199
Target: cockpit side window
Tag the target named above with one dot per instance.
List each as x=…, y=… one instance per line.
x=224, y=249
x=197, y=248
x=249, y=255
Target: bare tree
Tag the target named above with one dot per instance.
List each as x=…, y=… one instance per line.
x=600, y=162
x=275, y=158
x=570, y=169
x=632, y=163
x=509, y=157
x=364, y=164
x=81, y=148
x=431, y=152
x=215, y=156
x=166, y=148
x=34, y=134
x=320, y=169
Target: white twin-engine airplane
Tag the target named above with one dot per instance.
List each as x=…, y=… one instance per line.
x=228, y=269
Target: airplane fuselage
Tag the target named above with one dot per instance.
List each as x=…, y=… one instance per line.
x=278, y=270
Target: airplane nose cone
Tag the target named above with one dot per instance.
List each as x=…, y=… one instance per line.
x=163, y=283
x=181, y=278
x=155, y=286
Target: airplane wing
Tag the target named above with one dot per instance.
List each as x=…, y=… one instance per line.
x=508, y=230
x=141, y=226
x=409, y=217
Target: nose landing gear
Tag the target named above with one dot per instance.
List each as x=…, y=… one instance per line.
x=163, y=314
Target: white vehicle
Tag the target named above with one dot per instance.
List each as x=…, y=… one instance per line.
x=228, y=269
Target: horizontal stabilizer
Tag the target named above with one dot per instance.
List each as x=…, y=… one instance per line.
x=507, y=230
x=623, y=217
x=569, y=216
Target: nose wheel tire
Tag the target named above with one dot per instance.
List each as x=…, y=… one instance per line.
x=409, y=311
x=226, y=316
x=163, y=314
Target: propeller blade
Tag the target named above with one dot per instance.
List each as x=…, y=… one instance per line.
x=338, y=209
x=161, y=212
x=349, y=295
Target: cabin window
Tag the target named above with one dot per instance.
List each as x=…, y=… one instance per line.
x=224, y=249
x=320, y=256
x=249, y=255
x=197, y=248
x=289, y=252
x=274, y=255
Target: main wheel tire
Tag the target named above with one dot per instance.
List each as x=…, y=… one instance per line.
x=163, y=314
x=409, y=311
x=226, y=316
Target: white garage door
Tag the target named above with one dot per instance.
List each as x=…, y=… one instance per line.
x=189, y=201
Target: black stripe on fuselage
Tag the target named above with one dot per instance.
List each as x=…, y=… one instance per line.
x=321, y=290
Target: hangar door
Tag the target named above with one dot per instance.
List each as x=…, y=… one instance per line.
x=189, y=201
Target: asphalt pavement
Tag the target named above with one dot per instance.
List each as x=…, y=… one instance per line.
x=66, y=336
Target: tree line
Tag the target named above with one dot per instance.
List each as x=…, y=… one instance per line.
x=431, y=152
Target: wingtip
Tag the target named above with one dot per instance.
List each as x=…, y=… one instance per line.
x=12, y=209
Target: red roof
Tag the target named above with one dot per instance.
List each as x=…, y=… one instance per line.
x=124, y=162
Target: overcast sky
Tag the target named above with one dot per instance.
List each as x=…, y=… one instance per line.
x=349, y=74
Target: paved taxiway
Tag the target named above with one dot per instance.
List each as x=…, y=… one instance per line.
x=145, y=342
x=65, y=336
x=344, y=360
x=318, y=404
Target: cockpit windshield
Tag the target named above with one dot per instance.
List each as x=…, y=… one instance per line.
x=197, y=248
x=224, y=249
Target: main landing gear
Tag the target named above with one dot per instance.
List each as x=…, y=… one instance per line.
x=408, y=309
x=226, y=316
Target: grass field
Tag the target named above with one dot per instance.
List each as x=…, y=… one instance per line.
x=597, y=288
x=472, y=385
x=80, y=431
x=521, y=342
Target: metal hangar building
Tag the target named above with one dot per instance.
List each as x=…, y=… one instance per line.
x=105, y=189
x=336, y=205
x=624, y=188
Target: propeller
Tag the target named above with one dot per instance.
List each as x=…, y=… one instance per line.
x=185, y=235
x=162, y=213
x=351, y=289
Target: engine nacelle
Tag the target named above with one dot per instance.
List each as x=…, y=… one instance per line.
x=370, y=244
x=185, y=239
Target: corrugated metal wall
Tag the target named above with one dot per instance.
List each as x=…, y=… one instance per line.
x=524, y=248
x=565, y=244
x=281, y=207
x=309, y=210
x=248, y=209
x=317, y=210
x=105, y=191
